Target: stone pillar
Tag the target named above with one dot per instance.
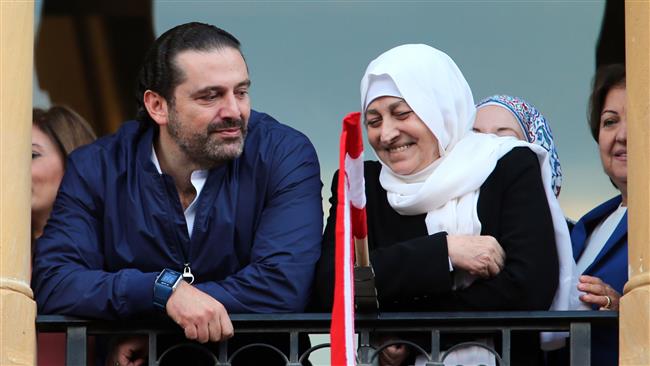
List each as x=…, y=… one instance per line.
x=635, y=304
x=17, y=306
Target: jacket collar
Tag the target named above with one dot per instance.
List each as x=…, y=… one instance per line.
x=619, y=235
x=144, y=146
x=589, y=221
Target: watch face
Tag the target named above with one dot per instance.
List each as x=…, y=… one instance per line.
x=168, y=278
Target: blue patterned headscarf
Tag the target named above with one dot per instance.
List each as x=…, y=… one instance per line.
x=535, y=128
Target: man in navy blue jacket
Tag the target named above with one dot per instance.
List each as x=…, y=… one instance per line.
x=200, y=208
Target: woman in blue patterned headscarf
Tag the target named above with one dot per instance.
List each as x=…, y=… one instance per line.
x=505, y=115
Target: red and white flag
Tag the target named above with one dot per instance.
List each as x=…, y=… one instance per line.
x=350, y=227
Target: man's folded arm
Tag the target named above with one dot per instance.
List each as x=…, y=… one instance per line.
x=68, y=274
x=286, y=245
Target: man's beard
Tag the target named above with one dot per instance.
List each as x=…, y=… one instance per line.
x=205, y=148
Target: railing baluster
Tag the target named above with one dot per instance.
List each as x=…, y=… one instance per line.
x=364, y=348
x=75, y=348
x=153, y=349
x=505, y=346
x=293, y=349
x=223, y=354
x=580, y=344
x=435, y=345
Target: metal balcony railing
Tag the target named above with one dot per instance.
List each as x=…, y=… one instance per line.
x=578, y=323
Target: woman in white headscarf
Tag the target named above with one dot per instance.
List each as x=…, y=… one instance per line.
x=456, y=220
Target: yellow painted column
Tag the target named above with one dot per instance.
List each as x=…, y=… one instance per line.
x=635, y=304
x=17, y=306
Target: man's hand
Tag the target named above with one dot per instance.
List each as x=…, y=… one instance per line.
x=201, y=316
x=481, y=256
x=130, y=351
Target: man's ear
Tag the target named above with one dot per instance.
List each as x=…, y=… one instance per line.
x=156, y=106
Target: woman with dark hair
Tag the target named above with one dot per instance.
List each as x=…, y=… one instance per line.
x=55, y=133
x=599, y=238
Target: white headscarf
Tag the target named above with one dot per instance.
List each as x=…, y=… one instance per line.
x=435, y=89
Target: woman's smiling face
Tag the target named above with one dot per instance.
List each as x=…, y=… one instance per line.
x=399, y=137
x=612, y=137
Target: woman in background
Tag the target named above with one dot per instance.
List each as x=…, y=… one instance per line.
x=55, y=133
x=599, y=238
x=505, y=115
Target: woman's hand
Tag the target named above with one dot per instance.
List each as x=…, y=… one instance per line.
x=598, y=293
x=481, y=256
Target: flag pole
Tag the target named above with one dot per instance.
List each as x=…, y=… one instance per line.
x=365, y=293
x=361, y=252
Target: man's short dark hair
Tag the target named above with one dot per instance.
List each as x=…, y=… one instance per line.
x=159, y=71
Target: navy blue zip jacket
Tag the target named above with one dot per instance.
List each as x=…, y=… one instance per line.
x=117, y=222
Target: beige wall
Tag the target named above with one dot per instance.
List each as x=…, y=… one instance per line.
x=17, y=307
x=635, y=304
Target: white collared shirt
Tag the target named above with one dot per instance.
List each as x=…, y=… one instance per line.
x=198, y=179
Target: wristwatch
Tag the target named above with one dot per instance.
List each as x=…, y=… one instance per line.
x=165, y=284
